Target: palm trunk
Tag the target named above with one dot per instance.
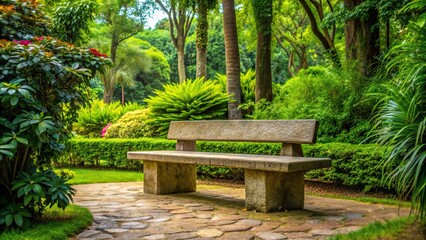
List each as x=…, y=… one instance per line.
x=122, y=94
x=232, y=59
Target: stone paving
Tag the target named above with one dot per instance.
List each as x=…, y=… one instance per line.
x=122, y=211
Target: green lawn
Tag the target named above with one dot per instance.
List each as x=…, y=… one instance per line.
x=55, y=224
x=85, y=176
x=378, y=230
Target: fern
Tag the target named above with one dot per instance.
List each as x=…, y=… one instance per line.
x=193, y=100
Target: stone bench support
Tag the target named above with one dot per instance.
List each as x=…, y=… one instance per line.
x=165, y=178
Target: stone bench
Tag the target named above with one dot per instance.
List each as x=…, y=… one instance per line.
x=272, y=183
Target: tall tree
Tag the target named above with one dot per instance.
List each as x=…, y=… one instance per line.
x=362, y=35
x=180, y=14
x=315, y=10
x=203, y=7
x=291, y=31
x=124, y=18
x=263, y=18
x=233, y=85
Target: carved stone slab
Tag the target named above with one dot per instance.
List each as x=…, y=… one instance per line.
x=288, y=131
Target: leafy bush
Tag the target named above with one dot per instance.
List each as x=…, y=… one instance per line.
x=352, y=165
x=193, y=100
x=43, y=83
x=248, y=84
x=20, y=19
x=329, y=95
x=401, y=122
x=131, y=125
x=92, y=119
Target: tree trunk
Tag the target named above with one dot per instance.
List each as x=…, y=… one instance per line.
x=232, y=59
x=202, y=39
x=362, y=39
x=181, y=60
x=114, y=46
x=263, y=17
x=108, y=95
x=122, y=94
x=263, y=68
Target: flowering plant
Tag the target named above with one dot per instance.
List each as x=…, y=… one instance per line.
x=105, y=129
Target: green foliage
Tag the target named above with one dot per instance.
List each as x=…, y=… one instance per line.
x=352, y=165
x=20, y=19
x=332, y=96
x=401, y=121
x=14, y=214
x=95, y=152
x=130, y=125
x=56, y=224
x=92, y=119
x=65, y=173
x=41, y=189
x=43, y=83
x=71, y=20
x=33, y=192
x=192, y=100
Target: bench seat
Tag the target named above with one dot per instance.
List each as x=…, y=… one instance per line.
x=245, y=161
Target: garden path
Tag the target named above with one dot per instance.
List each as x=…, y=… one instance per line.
x=122, y=211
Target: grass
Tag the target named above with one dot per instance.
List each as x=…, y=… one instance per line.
x=55, y=224
x=86, y=176
x=371, y=200
x=377, y=230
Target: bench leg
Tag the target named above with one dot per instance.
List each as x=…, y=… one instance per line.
x=274, y=191
x=164, y=178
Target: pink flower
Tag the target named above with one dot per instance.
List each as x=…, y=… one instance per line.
x=22, y=42
x=105, y=129
x=39, y=38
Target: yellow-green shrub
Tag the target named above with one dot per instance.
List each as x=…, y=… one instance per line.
x=130, y=125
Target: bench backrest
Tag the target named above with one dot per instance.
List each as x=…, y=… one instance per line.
x=285, y=131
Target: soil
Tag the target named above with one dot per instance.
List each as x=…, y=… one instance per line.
x=413, y=231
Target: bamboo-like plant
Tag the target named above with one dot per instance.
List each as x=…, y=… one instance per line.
x=401, y=121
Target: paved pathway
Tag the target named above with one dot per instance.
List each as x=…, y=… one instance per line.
x=122, y=211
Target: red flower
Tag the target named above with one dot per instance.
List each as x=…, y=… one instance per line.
x=22, y=42
x=39, y=38
x=95, y=52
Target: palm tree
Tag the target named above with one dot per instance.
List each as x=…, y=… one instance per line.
x=129, y=62
x=232, y=58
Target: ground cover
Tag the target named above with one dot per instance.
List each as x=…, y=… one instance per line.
x=55, y=224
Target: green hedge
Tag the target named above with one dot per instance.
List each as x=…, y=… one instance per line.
x=352, y=165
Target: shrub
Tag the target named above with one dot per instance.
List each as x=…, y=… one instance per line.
x=193, y=100
x=131, y=125
x=247, y=81
x=401, y=122
x=92, y=119
x=43, y=83
x=352, y=165
x=326, y=94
